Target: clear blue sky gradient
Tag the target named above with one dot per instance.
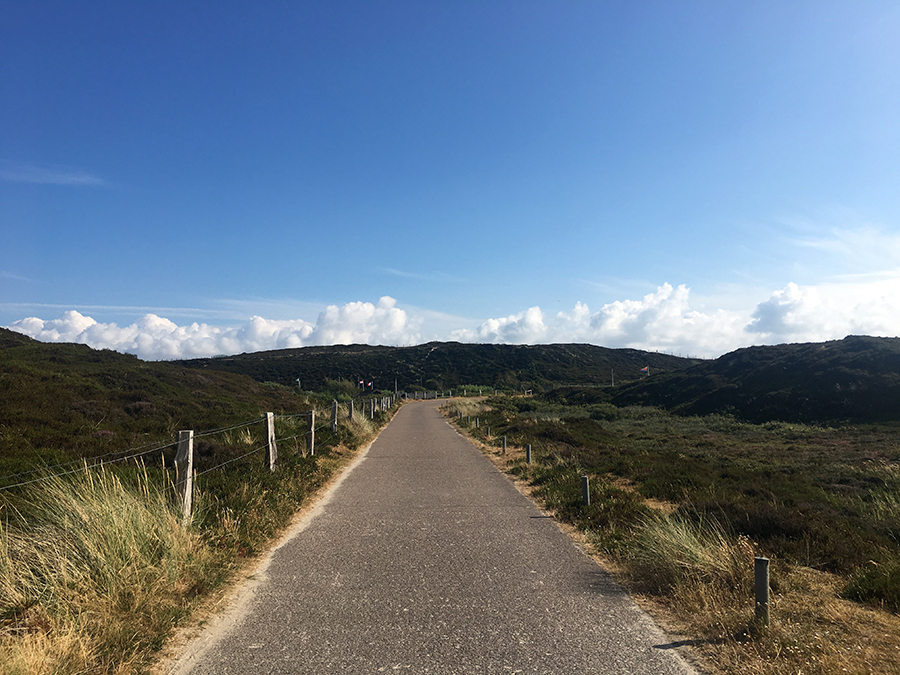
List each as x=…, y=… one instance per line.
x=209, y=161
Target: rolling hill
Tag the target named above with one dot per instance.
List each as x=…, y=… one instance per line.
x=856, y=379
x=49, y=392
x=65, y=401
x=445, y=365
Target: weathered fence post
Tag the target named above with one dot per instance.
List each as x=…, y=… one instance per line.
x=184, y=472
x=311, y=434
x=585, y=491
x=334, y=417
x=761, y=574
x=271, y=448
x=350, y=413
x=371, y=408
x=528, y=454
x=504, y=445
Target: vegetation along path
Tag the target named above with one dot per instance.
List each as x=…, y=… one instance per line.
x=425, y=559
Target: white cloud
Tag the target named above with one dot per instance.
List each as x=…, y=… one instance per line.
x=661, y=321
x=48, y=174
x=828, y=311
x=665, y=320
x=154, y=337
x=524, y=328
x=363, y=322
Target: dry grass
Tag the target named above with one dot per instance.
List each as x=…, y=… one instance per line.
x=667, y=551
x=813, y=630
x=95, y=577
x=464, y=407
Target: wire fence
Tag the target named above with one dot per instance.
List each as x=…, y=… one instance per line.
x=322, y=429
x=326, y=430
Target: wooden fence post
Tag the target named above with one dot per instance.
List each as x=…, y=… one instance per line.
x=334, y=417
x=350, y=413
x=311, y=434
x=585, y=491
x=528, y=454
x=271, y=448
x=761, y=587
x=184, y=472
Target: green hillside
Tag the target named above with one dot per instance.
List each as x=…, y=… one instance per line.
x=445, y=365
x=856, y=379
x=65, y=401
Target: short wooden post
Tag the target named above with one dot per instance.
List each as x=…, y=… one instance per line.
x=271, y=448
x=371, y=408
x=476, y=422
x=585, y=491
x=761, y=574
x=528, y=454
x=504, y=445
x=350, y=413
x=311, y=434
x=334, y=407
x=184, y=472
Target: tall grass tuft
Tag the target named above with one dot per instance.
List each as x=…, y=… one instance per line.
x=96, y=576
x=362, y=429
x=464, y=407
x=669, y=551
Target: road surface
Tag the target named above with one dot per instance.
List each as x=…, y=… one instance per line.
x=426, y=559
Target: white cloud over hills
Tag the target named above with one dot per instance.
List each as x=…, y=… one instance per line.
x=660, y=321
x=157, y=338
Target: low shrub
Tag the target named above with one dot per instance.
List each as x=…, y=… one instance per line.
x=877, y=584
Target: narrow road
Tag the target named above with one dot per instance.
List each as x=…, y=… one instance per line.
x=426, y=559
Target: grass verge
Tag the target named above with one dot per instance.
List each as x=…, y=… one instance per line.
x=681, y=506
x=97, y=569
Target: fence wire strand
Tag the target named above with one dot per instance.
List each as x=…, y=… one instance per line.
x=229, y=461
x=112, y=457
x=99, y=459
x=231, y=428
x=87, y=463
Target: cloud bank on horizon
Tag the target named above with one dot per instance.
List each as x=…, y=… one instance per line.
x=661, y=321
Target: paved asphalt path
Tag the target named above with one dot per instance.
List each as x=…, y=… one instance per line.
x=426, y=559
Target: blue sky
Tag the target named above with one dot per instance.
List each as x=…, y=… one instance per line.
x=194, y=178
